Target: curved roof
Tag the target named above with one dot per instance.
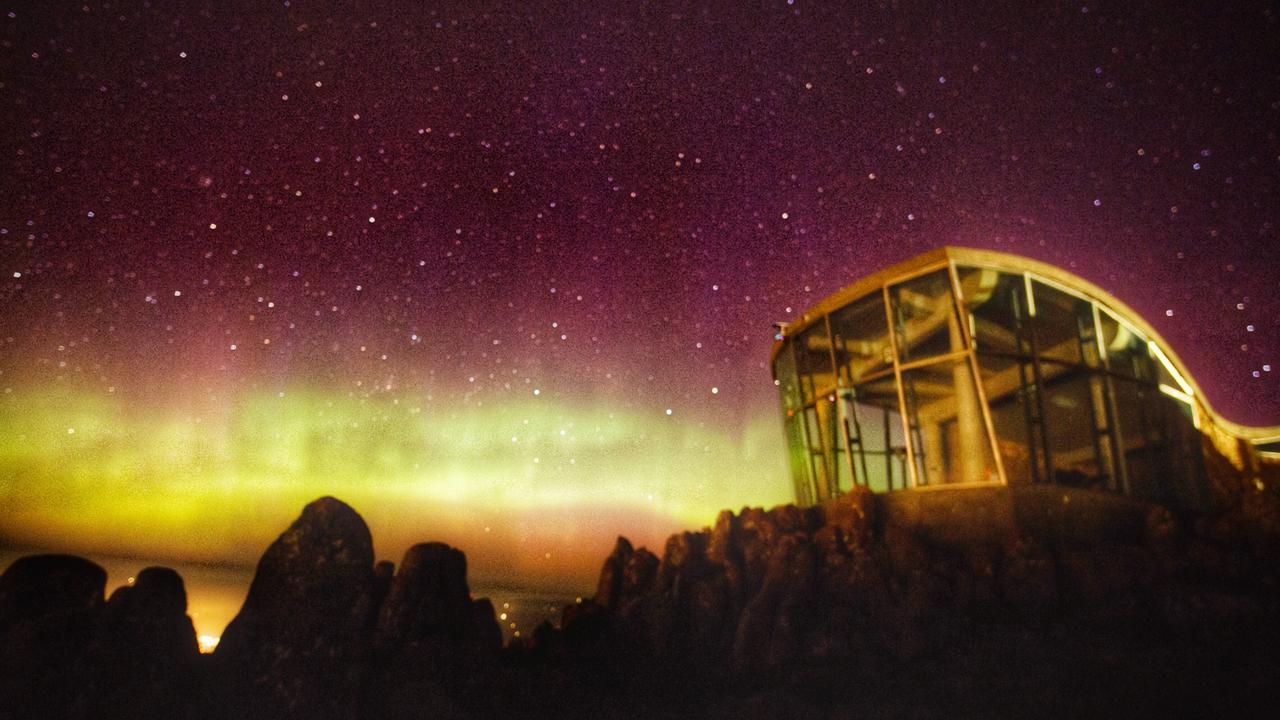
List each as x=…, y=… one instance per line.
x=944, y=256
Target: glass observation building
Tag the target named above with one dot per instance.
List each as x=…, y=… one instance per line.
x=969, y=367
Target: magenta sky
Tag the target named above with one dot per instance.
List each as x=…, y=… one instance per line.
x=608, y=203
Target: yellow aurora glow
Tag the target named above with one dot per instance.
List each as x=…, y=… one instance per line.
x=532, y=490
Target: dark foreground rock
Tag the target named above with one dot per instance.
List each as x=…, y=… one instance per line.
x=435, y=646
x=145, y=649
x=996, y=602
x=48, y=608
x=298, y=645
x=64, y=653
x=990, y=602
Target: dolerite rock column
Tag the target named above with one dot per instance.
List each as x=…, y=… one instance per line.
x=436, y=646
x=296, y=649
x=48, y=608
x=145, y=649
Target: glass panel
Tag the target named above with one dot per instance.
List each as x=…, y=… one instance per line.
x=797, y=457
x=1075, y=424
x=861, y=340
x=837, y=443
x=817, y=460
x=874, y=428
x=1127, y=352
x=925, y=318
x=948, y=436
x=831, y=443
x=997, y=306
x=1186, y=456
x=813, y=361
x=1141, y=439
x=1063, y=325
x=784, y=368
x=1010, y=387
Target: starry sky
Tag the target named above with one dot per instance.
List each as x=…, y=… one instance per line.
x=505, y=276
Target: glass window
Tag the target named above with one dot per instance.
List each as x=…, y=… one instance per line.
x=1127, y=352
x=819, y=428
x=835, y=442
x=874, y=429
x=1076, y=428
x=1186, y=456
x=813, y=361
x=797, y=457
x=784, y=368
x=860, y=336
x=997, y=306
x=1142, y=444
x=1064, y=328
x=1010, y=387
x=948, y=436
x=924, y=317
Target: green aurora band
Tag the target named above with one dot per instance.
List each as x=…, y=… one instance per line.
x=533, y=490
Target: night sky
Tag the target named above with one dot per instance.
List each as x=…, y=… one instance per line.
x=506, y=276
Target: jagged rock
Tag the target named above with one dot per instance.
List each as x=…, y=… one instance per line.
x=49, y=605
x=691, y=600
x=488, y=634
x=627, y=576
x=145, y=649
x=723, y=546
x=48, y=585
x=294, y=649
x=609, y=587
x=430, y=601
x=436, y=645
x=769, y=631
x=384, y=574
x=847, y=522
x=899, y=599
x=1029, y=582
x=64, y=654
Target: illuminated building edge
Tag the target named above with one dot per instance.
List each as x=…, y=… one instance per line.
x=965, y=367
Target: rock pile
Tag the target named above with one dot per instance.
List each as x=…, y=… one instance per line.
x=1019, y=597
x=326, y=633
x=995, y=602
x=64, y=653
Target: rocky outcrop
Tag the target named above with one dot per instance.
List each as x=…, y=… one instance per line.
x=992, y=602
x=1034, y=592
x=295, y=648
x=46, y=586
x=870, y=585
x=430, y=602
x=435, y=646
x=326, y=633
x=49, y=605
x=64, y=653
x=145, y=649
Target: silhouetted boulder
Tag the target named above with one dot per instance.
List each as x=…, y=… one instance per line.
x=627, y=575
x=983, y=602
x=436, y=645
x=928, y=592
x=145, y=649
x=49, y=605
x=429, y=598
x=770, y=630
x=43, y=586
x=295, y=649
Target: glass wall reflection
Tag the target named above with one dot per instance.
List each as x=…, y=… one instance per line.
x=967, y=375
